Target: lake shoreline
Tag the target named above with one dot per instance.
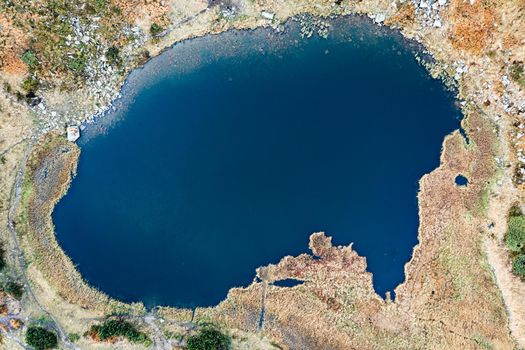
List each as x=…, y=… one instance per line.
x=479, y=124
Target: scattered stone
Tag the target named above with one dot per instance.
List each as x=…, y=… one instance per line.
x=380, y=18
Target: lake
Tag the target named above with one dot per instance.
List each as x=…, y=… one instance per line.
x=226, y=152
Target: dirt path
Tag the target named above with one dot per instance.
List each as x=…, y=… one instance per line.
x=17, y=254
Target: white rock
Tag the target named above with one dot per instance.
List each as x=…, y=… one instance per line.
x=437, y=23
x=73, y=133
x=380, y=17
x=442, y=2
x=268, y=15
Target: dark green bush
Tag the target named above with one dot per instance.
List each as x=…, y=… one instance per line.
x=518, y=265
x=112, y=54
x=515, y=238
x=119, y=328
x=517, y=72
x=40, y=338
x=208, y=339
x=2, y=250
x=14, y=289
x=155, y=29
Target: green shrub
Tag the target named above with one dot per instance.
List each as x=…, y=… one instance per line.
x=518, y=265
x=40, y=338
x=119, y=328
x=14, y=289
x=517, y=72
x=112, y=54
x=515, y=238
x=96, y=6
x=2, y=250
x=78, y=64
x=74, y=337
x=155, y=29
x=30, y=84
x=29, y=58
x=208, y=339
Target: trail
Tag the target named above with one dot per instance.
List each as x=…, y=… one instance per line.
x=16, y=252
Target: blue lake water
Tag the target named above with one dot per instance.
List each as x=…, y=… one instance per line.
x=227, y=152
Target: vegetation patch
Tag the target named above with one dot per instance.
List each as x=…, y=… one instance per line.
x=209, y=338
x=116, y=328
x=112, y=55
x=518, y=266
x=30, y=84
x=515, y=240
x=2, y=257
x=155, y=29
x=41, y=338
x=29, y=58
x=517, y=72
x=515, y=237
x=74, y=337
x=14, y=289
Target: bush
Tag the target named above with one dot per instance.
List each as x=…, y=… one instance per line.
x=119, y=328
x=96, y=6
x=518, y=265
x=74, y=337
x=14, y=289
x=2, y=250
x=78, y=64
x=40, y=338
x=29, y=58
x=155, y=29
x=208, y=339
x=112, y=54
x=30, y=84
x=515, y=238
x=517, y=72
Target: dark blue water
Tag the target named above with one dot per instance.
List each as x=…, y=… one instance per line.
x=233, y=149
x=461, y=180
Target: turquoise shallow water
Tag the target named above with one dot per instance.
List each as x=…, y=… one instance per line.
x=227, y=152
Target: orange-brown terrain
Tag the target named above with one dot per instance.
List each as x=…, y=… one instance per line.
x=62, y=62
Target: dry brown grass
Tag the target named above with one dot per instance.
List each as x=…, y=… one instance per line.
x=13, y=42
x=404, y=17
x=450, y=299
x=152, y=11
x=472, y=25
x=48, y=174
